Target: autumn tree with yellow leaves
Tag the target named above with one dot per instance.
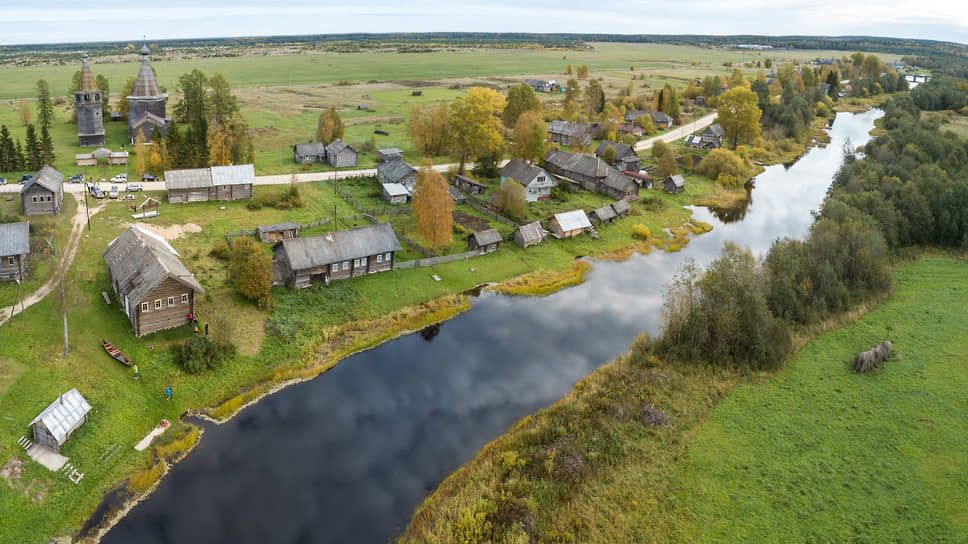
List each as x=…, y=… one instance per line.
x=475, y=124
x=432, y=207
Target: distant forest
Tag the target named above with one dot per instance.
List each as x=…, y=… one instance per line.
x=431, y=40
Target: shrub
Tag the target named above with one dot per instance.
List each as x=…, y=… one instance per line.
x=641, y=231
x=221, y=251
x=728, y=168
x=250, y=271
x=253, y=205
x=653, y=204
x=196, y=355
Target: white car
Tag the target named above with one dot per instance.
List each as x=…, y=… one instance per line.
x=122, y=178
x=114, y=192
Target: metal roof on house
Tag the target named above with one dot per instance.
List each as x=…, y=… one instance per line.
x=146, y=85
x=395, y=170
x=88, y=83
x=239, y=174
x=48, y=178
x=14, y=238
x=344, y=245
x=395, y=189
x=310, y=148
x=573, y=220
x=520, y=171
x=191, y=178
x=63, y=414
x=139, y=260
x=288, y=225
x=532, y=231
x=486, y=237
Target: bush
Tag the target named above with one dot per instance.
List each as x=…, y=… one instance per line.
x=196, y=355
x=653, y=204
x=641, y=232
x=253, y=205
x=250, y=271
x=725, y=166
x=221, y=252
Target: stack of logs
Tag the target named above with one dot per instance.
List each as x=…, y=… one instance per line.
x=867, y=360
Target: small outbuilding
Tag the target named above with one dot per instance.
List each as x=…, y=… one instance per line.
x=468, y=185
x=484, y=241
x=277, y=232
x=395, y=193
x=58, y=421
x=674, y=184
x=309, y=153
x=389, y=154
x=622, y=208
x=530, y=234
x=396, y=171
x=14, y=248
x=44, y=194
x=605, y=214
x=85, y=159
x=340, y=154
x=568, y=224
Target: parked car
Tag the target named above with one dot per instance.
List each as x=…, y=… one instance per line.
x=26, y=178
x=123, y=178
x=96, y=192
x=76, y=178
x=133, y=187
x=114, y=191
x=127, y=197
x=148, y=177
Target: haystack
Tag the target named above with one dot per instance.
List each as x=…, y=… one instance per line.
x=868, y=360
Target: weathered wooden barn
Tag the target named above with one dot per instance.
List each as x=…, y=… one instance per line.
x=530, y=234
x=278, y=232
x=484, y=241
x=570, y=134
x=568, y=224
x=43, y=195
x=334, y=256
x=590, y=173
x=60, y=419
x=674, y=184
x=605, y=214
x=468, y=185
x=14, y=248
x=340, y=154
x=209, y=184
x=309, y=152
x=622, y=208
x=155, y=289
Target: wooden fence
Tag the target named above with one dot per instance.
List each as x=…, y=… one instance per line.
x=482, y=207
x=383, y=210
x=253, y=232
x=431, y=261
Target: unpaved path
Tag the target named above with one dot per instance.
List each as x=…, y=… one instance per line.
x=67, y=258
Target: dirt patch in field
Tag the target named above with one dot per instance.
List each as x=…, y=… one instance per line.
x=470, y=222
x=12, y=472
x=171, y=231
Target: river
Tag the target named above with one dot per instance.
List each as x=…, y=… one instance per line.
x=347, y=456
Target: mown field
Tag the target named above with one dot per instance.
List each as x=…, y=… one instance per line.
x=811, y=453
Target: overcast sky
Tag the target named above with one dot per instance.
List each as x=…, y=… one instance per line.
x=58, y=21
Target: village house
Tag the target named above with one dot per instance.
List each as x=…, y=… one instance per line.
x=530, y=234
x=570, y=134
x=60, y=419
x=334, y=256
x=541, y=85
x=14, y=248
x=397, y=171
x=389, y=154
x=536, y=182
x=277, y=232
x=629, y=128
x=468, y=185
x=155, y=289
x=644, y=181
x=622, y=208
x=44, y=194
x=568, y=224
x=484, y=241
x=659, y=119
x=210, y=184
x=395, y=193
x=712, y=137
x=309, y=153
x=590, y=173
x=340, y=154
x=625, y=156
x=605, y=214
x=674, y=184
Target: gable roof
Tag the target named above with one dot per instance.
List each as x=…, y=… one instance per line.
x=567, y=128
x=343, y=245
x=577, y=163
x=239, y=174
x=337, y=146
x=621, y=150
x=575, y=219
x=276, y=227
x=615, y=180
x=395, y=189
x=459, y=179
x=486, y=237
x=48, y=178
x=520, y=171
x=395, y=170
x=139, y=260
x=189, y=178
x=713, y=131
x=14, y=238
x=310, y=148
x=661, y=116
x=148, y=117
x=677, y=180
x=101, y=153
x=604, y=213
x=621, y=207
x=532, y=231
x=63, y=414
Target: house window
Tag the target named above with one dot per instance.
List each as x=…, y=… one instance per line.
x=35, y=198
x=346, y=265
x=171, y=301
x=144, y=306
x=10, y=260
x=184, y=298
x=387, y=256
x=158, y=304
x=48, y=198
x=335, y=267
x=379, y=258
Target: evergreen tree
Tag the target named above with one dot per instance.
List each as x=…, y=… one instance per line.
x=19, y=162
x=7, y=159
x=46, y=146
x=102, y=85
x=45, y=110
x=173, y=143
x=34, y=151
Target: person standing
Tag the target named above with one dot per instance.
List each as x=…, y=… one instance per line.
x=206, y=329
x=168, y=393
x=136, y=371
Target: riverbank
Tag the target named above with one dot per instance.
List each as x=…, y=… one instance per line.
x=619, y=458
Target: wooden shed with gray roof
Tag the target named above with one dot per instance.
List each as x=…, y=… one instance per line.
x=14, y=248
x=530, y=234
x=605, y=214
x=484, y=241
x=60, y=419
x=277, y=232
x=397, y=171
x=334, y=255
x=309, y=152
x=209, y=184
x=155, y=289
x=340, y=154
x=43, y=195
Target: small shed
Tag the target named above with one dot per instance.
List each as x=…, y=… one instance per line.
x=605, y=214
x=396, y=171
x=456, y=195
x=277, y=232
x=568, y=224
x=622, y=208
x=531, y=234
x=309, y=153
x=644, y=181
x=85, y=159
x=389, y=154
x=44, y=194
x=58, y=421
x=468, y=185
x=395, y=193
x=118, y=158
x=14, y=248
x=484, y=241
x=674, y=184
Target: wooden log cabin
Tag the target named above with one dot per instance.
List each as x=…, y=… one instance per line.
x=278, y=232
x=484, y=241
x=14, y=248
x=43, y=195
x=568, y=224
x=155, y=289
x=210, y=184
x=334, y=256
x=60, y=419
x=530, y=234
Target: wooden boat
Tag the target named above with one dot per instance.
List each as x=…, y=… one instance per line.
x=116, y=353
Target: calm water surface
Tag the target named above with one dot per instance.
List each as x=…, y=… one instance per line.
x=348, y=456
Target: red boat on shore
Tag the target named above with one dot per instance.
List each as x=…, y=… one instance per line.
x=116, y=353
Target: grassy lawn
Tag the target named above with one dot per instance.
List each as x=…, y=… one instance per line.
x=811, y=453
